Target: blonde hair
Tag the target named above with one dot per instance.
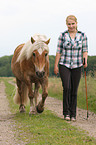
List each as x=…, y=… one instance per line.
x=71, y=17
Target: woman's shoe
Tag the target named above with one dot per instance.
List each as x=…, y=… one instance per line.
x=67, y=118
x=73, y=119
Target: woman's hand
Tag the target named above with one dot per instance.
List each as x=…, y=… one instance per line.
x=56, y=70
x=85, y=54
x=85, y=62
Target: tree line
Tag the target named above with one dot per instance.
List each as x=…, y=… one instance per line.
x=5, y=66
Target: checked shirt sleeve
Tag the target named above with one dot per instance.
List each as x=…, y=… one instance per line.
x=60, y=44
x=85, y=44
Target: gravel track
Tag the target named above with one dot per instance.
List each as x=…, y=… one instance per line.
x=89, y=125
x=7, y=123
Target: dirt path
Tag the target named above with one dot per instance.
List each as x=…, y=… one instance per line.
x=88, y=125
x=7, y=122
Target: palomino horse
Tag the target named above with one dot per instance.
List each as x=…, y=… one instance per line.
x=30, y=65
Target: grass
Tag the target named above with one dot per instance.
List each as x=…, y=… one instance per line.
x=91, y=94
x=55, y=88
x=48, y=129
x=45, y=128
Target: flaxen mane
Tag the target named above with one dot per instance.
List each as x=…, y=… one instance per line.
x=28, y=48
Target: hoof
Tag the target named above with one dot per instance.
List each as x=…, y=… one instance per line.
x=22, y=109
x=33, y=112
x=39, y=109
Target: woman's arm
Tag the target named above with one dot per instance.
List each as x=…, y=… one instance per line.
x=56, y=70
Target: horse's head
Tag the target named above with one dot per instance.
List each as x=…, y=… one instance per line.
x=36, y=51
x=40, y=57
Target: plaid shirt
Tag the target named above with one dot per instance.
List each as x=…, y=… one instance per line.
x=71, y=50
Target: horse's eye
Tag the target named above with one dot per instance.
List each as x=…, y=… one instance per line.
x=46, y=54
x=33, y=54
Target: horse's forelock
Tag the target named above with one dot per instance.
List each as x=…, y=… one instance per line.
x=40, y=46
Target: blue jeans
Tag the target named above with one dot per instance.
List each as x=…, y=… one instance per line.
x=70, y=82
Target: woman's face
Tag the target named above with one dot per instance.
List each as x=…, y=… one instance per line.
x=72, y=25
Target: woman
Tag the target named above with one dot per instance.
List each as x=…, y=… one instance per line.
x=72, y=49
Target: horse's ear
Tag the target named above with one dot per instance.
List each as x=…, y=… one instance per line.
x=47, y=42
x=32, y=40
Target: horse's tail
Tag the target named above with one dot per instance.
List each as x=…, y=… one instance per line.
x=25, y=95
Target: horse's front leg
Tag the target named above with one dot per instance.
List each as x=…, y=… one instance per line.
x=33, y=109
x=36, y=92
x=30, y=94
x=40, y=106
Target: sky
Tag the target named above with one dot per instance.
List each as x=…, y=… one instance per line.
x=21, y=19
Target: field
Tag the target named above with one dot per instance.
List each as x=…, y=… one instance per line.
x=47, y=128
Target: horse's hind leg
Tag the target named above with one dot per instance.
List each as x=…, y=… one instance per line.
x=21, y=94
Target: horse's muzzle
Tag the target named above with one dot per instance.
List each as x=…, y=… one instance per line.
x=40, y=74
